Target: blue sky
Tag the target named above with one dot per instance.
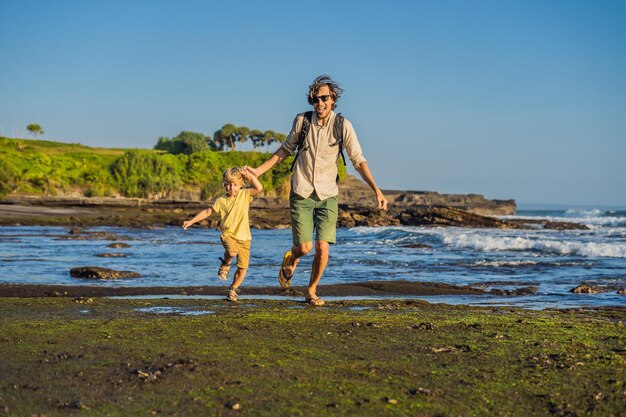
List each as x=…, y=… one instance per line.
x=511, y=99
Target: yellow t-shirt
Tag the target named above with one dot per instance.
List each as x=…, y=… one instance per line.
x=234, y=214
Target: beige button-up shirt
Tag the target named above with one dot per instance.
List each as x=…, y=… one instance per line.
x=316, y=167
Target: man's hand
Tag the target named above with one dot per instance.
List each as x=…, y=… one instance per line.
x=382, y=201
x=186, y=224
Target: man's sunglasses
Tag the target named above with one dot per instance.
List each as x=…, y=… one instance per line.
x=316, y=99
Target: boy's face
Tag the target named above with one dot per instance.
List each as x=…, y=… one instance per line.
x=233, y=187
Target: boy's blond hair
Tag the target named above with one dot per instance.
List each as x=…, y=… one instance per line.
x=232, y=174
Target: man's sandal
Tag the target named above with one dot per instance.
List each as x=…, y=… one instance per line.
x=232, y=294
x=283, y=279
x=222, y=272
x=315, y=302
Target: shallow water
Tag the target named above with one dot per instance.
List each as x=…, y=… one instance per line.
x=555, y=261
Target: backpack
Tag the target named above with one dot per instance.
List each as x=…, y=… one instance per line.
x=337, y=134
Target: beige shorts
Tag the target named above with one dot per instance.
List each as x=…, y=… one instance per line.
x=241, y=248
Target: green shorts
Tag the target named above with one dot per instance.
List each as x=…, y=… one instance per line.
x=312, y=213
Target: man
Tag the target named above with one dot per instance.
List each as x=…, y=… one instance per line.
x=314, y=191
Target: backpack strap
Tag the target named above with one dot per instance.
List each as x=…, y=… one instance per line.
x=338, y=134
x=306, y=124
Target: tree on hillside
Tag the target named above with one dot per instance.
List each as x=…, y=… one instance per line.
x=257, y=138
x=270, y=137
x=185, y=142
x=147, y=175
x=226, y=136
x=192, y=142
x=243, y=133
x=35, y=129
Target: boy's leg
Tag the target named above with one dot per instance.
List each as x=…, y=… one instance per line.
x=230, y=248
x=243, y=260
x=240, y=274
x=230, y=251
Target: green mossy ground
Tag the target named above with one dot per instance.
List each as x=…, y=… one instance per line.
x=60, y=356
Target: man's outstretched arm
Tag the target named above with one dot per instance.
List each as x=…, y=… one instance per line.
x=367, y=176
x=278, y=157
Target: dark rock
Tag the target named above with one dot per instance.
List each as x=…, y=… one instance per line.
x=94, y=272
x=112, y=255
x=366, y=217
x=233, y=405
x=450, y=216
x=118, y=245
x=424, y=326
x=416, y=246
x=516, y=292
x=583, y=289
x=596, y=289
x=439, y=216
x=548, y=225
x=355, y=194
x=80, y=234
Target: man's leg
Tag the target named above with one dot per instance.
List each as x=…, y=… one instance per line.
x=325, y=220
x=301, y=214
x=297, y=252
x=319, y=265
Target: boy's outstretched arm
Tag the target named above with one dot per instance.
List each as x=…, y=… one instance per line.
x=198, y=218
x=257, y=187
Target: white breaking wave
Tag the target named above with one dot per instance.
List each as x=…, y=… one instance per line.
x=519, y=243
x=591, y=221
x=583, y=213
x=524, y=262
x=565, y=243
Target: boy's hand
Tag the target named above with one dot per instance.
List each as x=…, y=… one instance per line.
x=250, y=171
x=186, y=224
x=245, y=173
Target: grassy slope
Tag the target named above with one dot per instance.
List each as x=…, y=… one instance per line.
x=277, y=359
x=36, y=167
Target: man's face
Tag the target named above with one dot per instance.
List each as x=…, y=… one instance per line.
x=323, y=108
x=233, y=188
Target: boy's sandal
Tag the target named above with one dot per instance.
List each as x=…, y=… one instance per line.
x=283, y=279
x=232, y=294
x=222, y=272
x=316, y=302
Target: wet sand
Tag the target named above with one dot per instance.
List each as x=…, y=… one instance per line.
x=369, y=288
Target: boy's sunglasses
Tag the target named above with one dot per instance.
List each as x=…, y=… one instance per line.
x=323, y=99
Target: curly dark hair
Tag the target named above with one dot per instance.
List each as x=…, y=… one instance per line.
x=319, y=82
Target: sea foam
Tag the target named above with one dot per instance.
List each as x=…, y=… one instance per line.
x=492, y=243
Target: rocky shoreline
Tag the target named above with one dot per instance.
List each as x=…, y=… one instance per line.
x=407, y=208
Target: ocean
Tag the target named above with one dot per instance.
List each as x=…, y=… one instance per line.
x=553, y=260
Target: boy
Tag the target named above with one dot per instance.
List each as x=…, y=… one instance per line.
x=236, y=236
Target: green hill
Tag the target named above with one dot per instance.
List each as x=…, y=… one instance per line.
x=38, y=167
